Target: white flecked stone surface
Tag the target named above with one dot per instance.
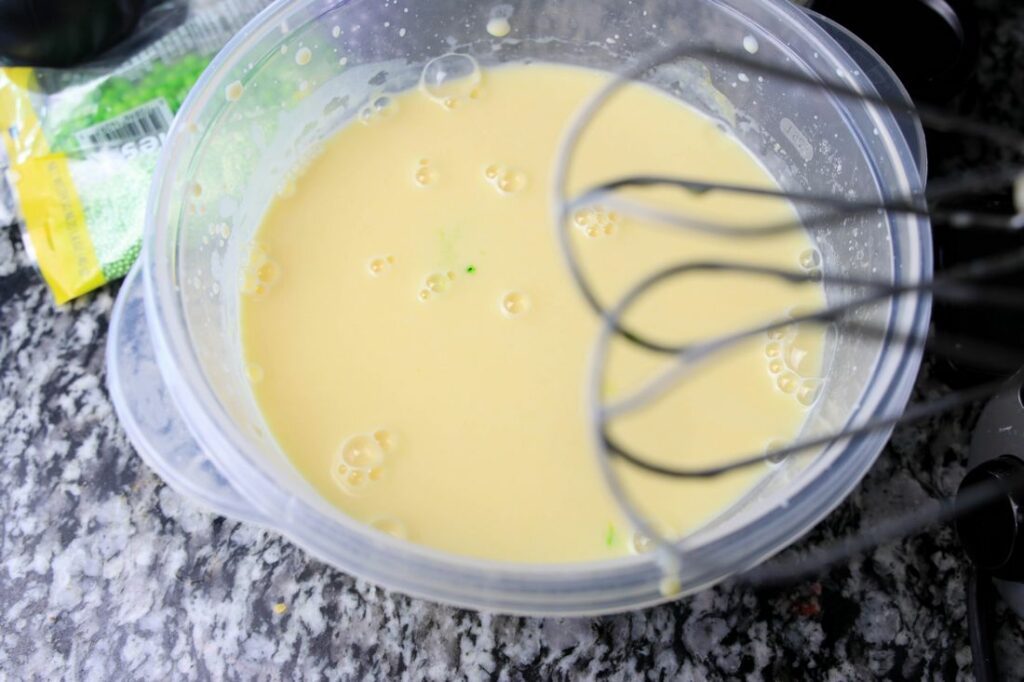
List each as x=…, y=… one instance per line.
x=107, y=574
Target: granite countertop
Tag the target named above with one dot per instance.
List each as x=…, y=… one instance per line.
x=108, y=574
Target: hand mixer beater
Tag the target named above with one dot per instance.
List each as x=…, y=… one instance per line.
x=861, y=302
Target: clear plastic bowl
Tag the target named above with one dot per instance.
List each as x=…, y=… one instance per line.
x=176, y=369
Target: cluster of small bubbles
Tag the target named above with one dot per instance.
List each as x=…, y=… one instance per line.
x=254, y=373
x=515, y=304
x=787, y=353
x=390, y=526
x=450, y=79
x=504, y=179
x=381, y=265
x=596, y=221
x=360, y=460
x=259, y=274
x=425, y=173
x=379, y=107
x=437, y=284
x=302, y=56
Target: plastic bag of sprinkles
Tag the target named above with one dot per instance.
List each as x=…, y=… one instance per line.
x=78, y=146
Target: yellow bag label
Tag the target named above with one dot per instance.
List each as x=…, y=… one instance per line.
x=50, y=206
x=55, y=223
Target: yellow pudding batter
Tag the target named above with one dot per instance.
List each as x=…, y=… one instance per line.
x=420, y=352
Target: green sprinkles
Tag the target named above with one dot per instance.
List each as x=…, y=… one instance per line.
x=471, y=269
x=116, y=94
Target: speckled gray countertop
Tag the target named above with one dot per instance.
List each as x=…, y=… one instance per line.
x=108, y=574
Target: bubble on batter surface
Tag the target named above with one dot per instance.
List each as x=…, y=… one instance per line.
x=596, y=221
x=450, y=80
x=425, y=174
x=515, y=304
x=504, y=179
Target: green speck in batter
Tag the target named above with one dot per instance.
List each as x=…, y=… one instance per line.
x=609, y=536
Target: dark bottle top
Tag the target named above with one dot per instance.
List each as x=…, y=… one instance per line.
x=63, y=32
